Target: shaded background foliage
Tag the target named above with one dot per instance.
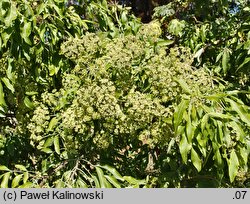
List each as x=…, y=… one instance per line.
x=88, y=91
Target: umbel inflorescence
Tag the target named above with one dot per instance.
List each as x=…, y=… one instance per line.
x=119, y=88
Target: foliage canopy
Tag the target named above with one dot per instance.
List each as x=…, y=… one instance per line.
x=88, y=93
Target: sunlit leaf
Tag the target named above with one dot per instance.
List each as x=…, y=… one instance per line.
x=113, y=171
x=178, y=115
x=5, y=180
x=8, y=84
x=28, y=103
x=52, y=123
x=25, y=176
x=57, y=144
x=31, y=93
x=3, y=168
x=16, y=181
x=225, y=60
x=197, y=162
x=244, y=153
x=48, y=142
x=97, y=184
x=242, y=113
x=184, y=86
x=132, y=180
x=81, y=183
x=11, y=16
x=220, y=116
x=2, y=100
x=165, y=42
x=26, y=185
x=176, y=27
x=184, y=148
x=6, y=34
x=233, y=165
x=113, y=181
x=47, y=150
x=26, y=31
x=60, y=184
x=218, y=158
x=21, y=167
x=101, y=177
x=199, y=53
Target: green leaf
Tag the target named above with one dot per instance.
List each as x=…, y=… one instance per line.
x=97, y=184
x=163, y=43
x=4, y=168
x=107, y=184
x=246, y=9
x=9, y=72
x=225, y=60
x=60, y=184
x=6, y=35
x=31, y=93
x=53, y=70
x=113, y=181
x=218, y=158
x=25, y=176
x=219, y=56
x=26, y=31
x=81, y=183
x=176, y=27
x=48, y=142
x=47, y=150
x=28, y=103
x=220, y=116
x=244, y=116
x=16, y=180
x=132, y=180
x=244, y=153
x=180, y=130
x=57, y=144
x=184, y=86
x=199, y=53
x=202, y=140
x=44, y=165
x=233, y=165
x=124, y=18
x=239, y=131
x=189, y=129
x=204, y=122
x=5, y=180
x=21, y=167
x=246, y=61
x=8, y=84
x=52, y=124
x=11, y=16
x=2, y=101
x=26, y=185
x=197, y=162
x=184, y=148
x=41, y=32
x=101, y=177
x=2, y=109
x=113, y=171
x=178, y=115
x=220, y=131
x=41, y=7
x=58, y=10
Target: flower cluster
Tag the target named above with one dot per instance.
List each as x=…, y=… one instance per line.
x=119, y=88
